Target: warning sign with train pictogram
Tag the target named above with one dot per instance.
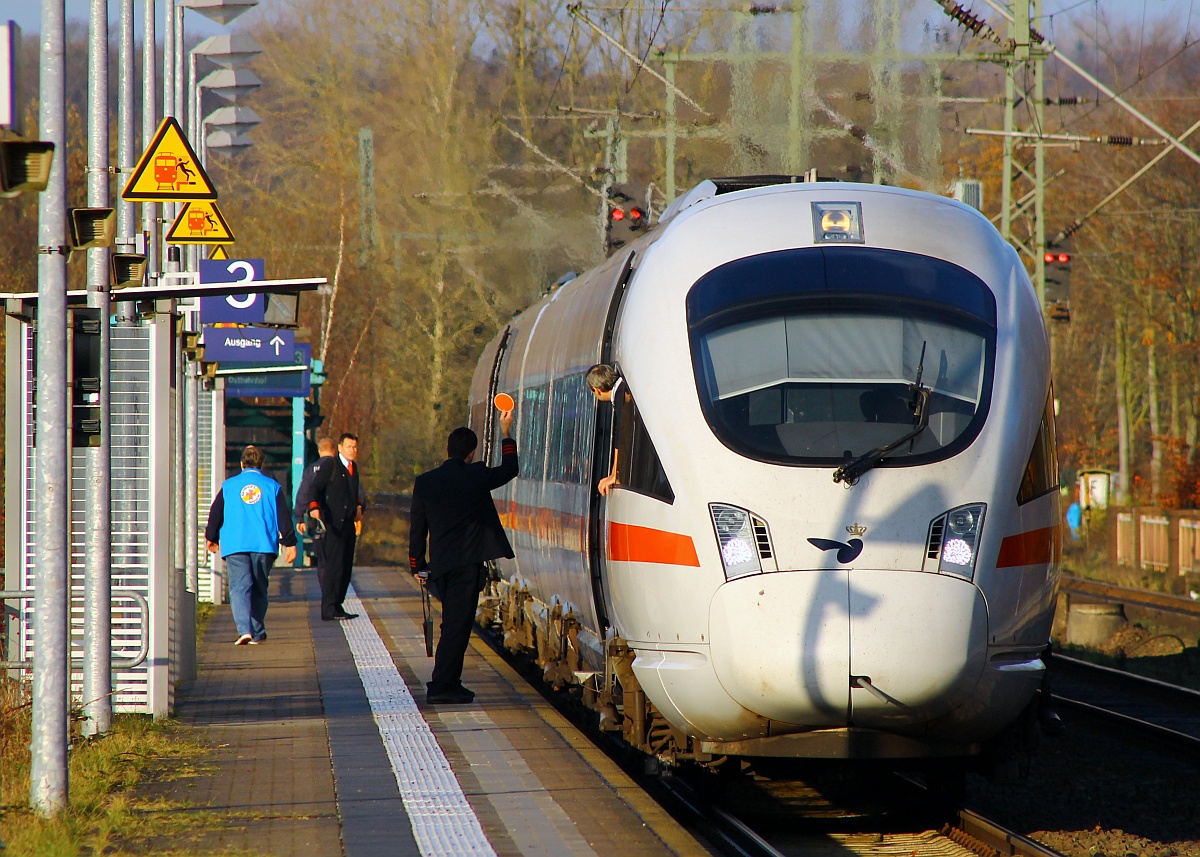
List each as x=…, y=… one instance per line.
x=169, y=170
x=200, y=222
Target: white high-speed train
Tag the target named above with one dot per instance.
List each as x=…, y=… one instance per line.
x=836, y=530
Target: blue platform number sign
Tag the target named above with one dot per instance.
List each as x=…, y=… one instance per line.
x=232, y=309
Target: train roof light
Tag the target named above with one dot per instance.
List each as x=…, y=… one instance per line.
x=837, y=223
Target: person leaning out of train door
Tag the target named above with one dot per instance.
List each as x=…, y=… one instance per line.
x=608, y=385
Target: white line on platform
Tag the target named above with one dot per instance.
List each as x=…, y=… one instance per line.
x=442, y=819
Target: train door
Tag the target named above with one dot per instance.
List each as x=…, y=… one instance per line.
x=602, y=445
x=489, y=420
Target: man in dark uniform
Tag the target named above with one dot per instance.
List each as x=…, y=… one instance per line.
x=337, y=501
x=452, y=507
x=326, y=448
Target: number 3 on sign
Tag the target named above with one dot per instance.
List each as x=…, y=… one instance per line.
x=232, y=309
x=247, y=276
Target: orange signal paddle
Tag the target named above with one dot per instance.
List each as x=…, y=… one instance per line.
x=504, y=402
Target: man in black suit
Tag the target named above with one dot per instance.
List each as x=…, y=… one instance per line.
x=452, y=507
x=337, y=500
x=326, y=448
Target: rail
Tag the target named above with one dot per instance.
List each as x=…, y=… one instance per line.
x=1131, y=595
x=117, y=664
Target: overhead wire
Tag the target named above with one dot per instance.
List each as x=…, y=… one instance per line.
x=662, y=15
x=562, y=68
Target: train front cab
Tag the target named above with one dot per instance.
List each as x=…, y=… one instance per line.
x=857, y=624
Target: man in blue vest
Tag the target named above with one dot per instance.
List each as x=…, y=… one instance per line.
x=248, y=521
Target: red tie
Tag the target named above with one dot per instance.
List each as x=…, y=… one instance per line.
x=351, y=468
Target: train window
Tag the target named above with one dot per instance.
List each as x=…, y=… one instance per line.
x=822, y=380
x=532, y=428
x=1041, y=471
x=638, y=466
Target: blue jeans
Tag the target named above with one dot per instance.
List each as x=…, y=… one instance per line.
x=248, y=591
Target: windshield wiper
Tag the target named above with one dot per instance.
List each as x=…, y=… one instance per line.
x=919, y=402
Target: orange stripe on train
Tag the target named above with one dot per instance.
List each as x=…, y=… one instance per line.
x=629, y=543
x=1034, y=547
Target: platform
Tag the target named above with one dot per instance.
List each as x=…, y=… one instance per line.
x=324, y=745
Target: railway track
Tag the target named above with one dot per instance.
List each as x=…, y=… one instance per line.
x=969, y=834
x=800, y=820
x=1163, y=710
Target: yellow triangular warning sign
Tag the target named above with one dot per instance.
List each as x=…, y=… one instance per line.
x=218, y=253
x=169, y=170
x=200, y=223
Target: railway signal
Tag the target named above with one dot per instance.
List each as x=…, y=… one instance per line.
x=1058, y=282
x=626, y=214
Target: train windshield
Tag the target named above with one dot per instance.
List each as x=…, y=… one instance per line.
x=803, y=361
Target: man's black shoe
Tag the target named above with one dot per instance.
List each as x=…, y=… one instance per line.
x=345, y=615
x=450, y=697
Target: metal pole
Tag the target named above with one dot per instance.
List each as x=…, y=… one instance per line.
x=297, y=460
x=97, y=599
x=193, y=95
x=169, y=106
x=180, y=81
x=125, y=127
x=150, y=210
x=1036, y=68
x=191, y=468
x=671, y=132
x=126, y=143
x=178, y=551
x=169, y=60
x=48, y=772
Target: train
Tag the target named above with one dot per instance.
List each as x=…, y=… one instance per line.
x=835, y=533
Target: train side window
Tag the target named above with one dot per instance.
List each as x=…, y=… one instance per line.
x=1041, y=471
x=638, y=466
x=532, y=430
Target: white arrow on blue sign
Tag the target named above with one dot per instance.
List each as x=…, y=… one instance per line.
x=249, y=345
x=235, y=309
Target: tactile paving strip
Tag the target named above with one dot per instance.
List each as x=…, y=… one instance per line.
x=443, y=821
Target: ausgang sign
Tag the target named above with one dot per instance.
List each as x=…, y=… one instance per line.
x=248, y=345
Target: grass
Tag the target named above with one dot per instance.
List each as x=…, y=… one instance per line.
x=110, y=809
x=105, y=813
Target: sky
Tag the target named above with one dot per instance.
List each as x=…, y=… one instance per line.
x=28, y=16
x=1183, y=13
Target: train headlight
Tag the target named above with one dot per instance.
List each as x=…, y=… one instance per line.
x=737, y=540
x=954, y=540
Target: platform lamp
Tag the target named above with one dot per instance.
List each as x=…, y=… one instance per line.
x=221, y=11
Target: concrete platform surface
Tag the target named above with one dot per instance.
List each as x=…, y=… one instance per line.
x=323, y=745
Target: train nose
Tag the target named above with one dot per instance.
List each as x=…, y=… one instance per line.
x=858, y=647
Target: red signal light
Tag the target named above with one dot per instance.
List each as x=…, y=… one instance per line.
x=1049, y=257
x=1064, y=258
x=617, y=214
x=636, y=213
